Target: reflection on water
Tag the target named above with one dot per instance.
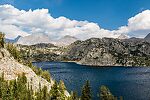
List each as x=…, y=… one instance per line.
x=131, y=83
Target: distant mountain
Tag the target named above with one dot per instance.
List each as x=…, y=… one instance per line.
x=34, y=39
x=43, y=45
x=134, y=40
x=42, y=38
x=12, y=40
x=109, y=52
x=147, y=38
x=95, y=52
x=123, y=36
x=66, y=40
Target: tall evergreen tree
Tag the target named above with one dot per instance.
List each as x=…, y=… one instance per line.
x=2, y=41
x=44, y=93
x=55, y=94
x=73, y=96
x=29, y=92
x=62, y=86
x=22, y=87
x=39, y=93
x=62, y=89
x=15, y=90
x=105, y=94
x=86, y=92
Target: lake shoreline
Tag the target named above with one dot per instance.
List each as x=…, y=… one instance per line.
x=94, y=66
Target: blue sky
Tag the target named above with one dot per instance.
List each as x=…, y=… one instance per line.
x=80, y=18
x=109, y=14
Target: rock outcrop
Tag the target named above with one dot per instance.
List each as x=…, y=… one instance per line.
x=109, y=52
x=11, y=69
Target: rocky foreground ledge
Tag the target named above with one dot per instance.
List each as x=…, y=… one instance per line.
x=11, y=69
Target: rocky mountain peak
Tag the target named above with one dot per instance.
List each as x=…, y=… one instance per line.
x=66, y=40
x=34, y=39
x=13, y=40
x=123, y=36
x=68, y=36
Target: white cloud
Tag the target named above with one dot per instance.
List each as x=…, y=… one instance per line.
x=16, y=22
x=138, y=26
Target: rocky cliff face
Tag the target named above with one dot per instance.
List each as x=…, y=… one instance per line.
x=109, y=52
x=11, y=69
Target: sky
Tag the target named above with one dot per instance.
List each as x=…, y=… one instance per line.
x=81, y=18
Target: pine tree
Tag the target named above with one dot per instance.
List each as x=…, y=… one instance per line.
x=2, y=41
x=14, y=52
x=105, y=94
x=15, y=90
x=86, y=92
x=62, y=86
x=46, y=75
x=1, y=84
x=44, y=93
x=74, y=96
x=39, y=93
x=6, y=95
x=29, y=93
x=55, y=94
x=62, y=89
x=22, y=88
x=9, y=92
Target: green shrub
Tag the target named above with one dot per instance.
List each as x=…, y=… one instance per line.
x=14, y=52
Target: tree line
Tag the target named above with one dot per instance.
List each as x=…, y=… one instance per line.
x=104, y=93
x=19, y=89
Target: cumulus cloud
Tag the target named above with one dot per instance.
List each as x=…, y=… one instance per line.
x=138, y=26
x=16, y=22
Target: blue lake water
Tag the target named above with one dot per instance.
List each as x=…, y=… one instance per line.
x=131, y=83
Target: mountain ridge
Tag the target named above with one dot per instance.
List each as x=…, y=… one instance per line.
x=40, y=38
x=13, y=40
x=147, y=38
x=96, y=52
